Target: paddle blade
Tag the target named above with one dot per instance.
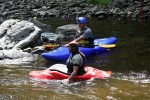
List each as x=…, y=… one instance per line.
x=107, y=45
x=50, y=46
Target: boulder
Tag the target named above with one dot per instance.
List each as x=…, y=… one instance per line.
x=14, y=56
x=43, y=27
x=67, y=31
x=50, y=37
x=18, y=34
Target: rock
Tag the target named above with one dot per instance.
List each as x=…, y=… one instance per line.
x=120, y=3
x=50, y=37
x=100, y=17
x=67, y=31
x=38, y=51
x=18, y=34
x=15, y=56
x=146, y=9
x=43, y=27
x=27, y=50
x=98, y=13
x=1, y=55
x=6, y=25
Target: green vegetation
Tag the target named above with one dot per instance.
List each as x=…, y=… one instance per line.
x=99, y=2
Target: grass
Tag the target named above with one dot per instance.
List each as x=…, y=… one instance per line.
x=99, y=2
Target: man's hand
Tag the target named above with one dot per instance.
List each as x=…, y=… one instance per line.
x=66, y=45
x=68, y=81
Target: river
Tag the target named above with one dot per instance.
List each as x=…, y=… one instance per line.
x=129, y=61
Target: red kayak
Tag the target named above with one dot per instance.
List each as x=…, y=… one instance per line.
x=59, y=72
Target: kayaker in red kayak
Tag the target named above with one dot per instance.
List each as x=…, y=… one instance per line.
x=75, y=62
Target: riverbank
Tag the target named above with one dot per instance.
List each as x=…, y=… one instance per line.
x=18, y=9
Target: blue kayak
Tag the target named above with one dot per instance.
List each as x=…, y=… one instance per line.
x=62, y=52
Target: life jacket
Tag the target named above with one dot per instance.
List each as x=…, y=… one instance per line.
x=88, y=41
x=70, y=65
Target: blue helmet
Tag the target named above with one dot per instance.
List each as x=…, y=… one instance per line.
x=81, y=20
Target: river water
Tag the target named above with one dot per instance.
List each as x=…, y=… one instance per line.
x=129, y=61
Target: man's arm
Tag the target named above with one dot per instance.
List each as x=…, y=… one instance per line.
x=74, y=73
x=80, y=38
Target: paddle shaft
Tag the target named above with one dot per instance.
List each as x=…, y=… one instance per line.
x=101, y=45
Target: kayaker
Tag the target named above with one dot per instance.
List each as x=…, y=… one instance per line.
x=75, y=62
x=84, y=35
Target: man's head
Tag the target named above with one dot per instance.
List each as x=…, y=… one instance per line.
x=73, y=46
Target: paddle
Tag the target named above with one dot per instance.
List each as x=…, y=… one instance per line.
x=101, y=45
x=107, y=45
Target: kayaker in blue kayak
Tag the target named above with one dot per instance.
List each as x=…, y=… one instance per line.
x=84, y=35
x=75, y=62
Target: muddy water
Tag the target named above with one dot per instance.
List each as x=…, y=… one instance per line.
x=129, y=62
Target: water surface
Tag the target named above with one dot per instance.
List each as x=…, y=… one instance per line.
x=129, y=62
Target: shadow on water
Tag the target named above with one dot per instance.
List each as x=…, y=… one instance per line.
x=129, y=63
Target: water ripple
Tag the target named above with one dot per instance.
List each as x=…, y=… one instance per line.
x=137, y=77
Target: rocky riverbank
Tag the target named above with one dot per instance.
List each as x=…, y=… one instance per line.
x=25, y=9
